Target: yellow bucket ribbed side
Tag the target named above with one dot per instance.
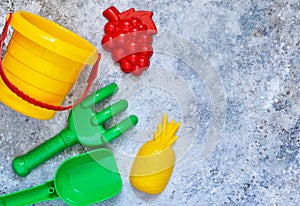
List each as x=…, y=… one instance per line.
x=44, y=60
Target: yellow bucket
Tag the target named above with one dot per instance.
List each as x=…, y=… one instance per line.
x=43, y=60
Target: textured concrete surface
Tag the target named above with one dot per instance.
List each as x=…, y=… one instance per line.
x=229, y=70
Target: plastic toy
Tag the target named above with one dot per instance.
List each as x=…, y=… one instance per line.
x=84, y=179
x=84, y=127
x=128, y=35
x=42, y=62
x=154, y=163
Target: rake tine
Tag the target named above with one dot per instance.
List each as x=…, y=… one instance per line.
x=120, y=128
x=109, y=112
x=99, y=95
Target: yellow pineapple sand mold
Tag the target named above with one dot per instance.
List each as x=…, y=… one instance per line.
x=154, y=163
x=43, y=60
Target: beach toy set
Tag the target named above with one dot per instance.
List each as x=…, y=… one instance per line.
x=42, y=63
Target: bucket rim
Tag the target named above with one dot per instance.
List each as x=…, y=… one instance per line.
x=79, y=50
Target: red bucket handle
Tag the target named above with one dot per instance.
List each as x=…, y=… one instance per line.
x=31, y=100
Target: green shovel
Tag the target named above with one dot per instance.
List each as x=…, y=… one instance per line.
x=85, y=126
x=84, y=179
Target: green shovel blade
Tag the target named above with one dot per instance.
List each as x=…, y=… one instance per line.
x=88, y=179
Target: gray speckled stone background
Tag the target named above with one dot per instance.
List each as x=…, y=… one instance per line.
x=253, y=46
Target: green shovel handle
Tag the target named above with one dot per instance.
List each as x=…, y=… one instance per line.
x=23, y=165
x=29, y=196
